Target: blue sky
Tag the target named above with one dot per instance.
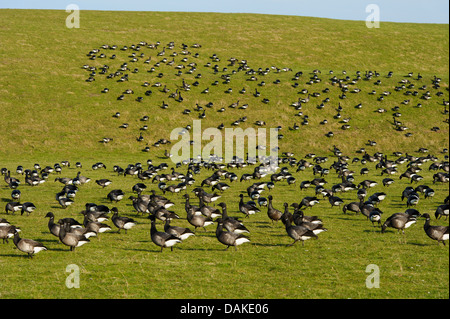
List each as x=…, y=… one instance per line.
x=419, y=11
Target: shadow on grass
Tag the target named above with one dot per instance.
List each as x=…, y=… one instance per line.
x=53, y=241
x=155, y=249
x=14, y=255
x=271, y=245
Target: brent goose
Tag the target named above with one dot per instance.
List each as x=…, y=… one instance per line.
x=308, y=202
x=162, y=239
x=442, y=210
x=28, y=246
x=399, y=221
x=13, y=207
x=297, y=232
x=28, y=207
x=70, y=239
x=353, y=207
x=122, y=222
x=230, y=223
x=115, y=195
x=6, y=232
x=438, y=233
x=229, y=238
x=246, y=208
x=179, y=232
x=103, y=182
x=299, y=213
x=274, y=214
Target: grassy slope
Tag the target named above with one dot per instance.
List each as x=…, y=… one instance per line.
x=50, y=114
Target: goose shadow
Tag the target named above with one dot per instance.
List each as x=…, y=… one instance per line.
x=5, y=200
x=270, y=245
x=53, y=241
x=56, y=207
x=13, y=255
x=175, y=249
x=265, y=226
x=346, y=218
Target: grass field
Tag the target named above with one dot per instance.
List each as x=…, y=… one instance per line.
x=50, y=114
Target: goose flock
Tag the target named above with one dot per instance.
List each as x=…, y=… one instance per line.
x=179, y=73
x=230, y=231
x=157, y=188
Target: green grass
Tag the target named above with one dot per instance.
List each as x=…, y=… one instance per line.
x=50, y=114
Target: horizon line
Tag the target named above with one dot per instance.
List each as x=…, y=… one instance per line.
x=219, y=12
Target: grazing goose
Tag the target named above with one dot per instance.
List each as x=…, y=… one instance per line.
x=246, y=208
x=353, y=207
x=220, y=187
x=140, y=205
x=122, y=222
x=438, y=233
x=179, y=232
x=299, y=213
x=262, y=201
x=103, y=182
x=28, y=246
x=230, y=223
x=115, y=195
x=162, y=239
x=412, y=200
x=4, y=222
x=139, y=188
x=64, y=180
x=27, y=207
x=308, y=202
x=13, y=207
x=65, y=202
x=15, y=194
x=387, y=182
x=375, y=216
x=442, y=210
x=297, y=232
x=70, y=239
x=305, y=185
x=82, y=179
x=399, y=221
x=229, y=238
x=334, y=200
x=7, y=232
